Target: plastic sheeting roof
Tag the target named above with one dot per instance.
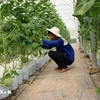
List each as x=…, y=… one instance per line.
x=65, y=9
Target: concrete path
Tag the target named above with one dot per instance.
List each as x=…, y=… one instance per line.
x=75, y=84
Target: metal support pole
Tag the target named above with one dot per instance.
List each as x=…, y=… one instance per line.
x=81, y=42
x=84, y=45
x=93, y=44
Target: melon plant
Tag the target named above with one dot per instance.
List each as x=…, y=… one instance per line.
x=21, y=21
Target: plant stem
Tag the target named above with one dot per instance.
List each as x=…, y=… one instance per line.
x=10, y=33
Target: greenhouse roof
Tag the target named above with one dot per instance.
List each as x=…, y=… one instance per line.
x=65, y=9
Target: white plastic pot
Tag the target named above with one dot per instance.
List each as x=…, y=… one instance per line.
x=41, y=61
x=25, y=73
x=30, y=71
x=20, y=77
x=34, y=68
x=46, y=58
x=15, y=84
x=39, y=64
x=4, y=91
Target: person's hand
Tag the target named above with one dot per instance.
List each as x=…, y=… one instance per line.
x=33, y=40
x=40, y=42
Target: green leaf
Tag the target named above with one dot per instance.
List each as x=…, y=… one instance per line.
x=1, y=49
x=94, y=12
x=35, y=46
x=28, y=43
x=13, y=72
x=20, y=0
x=8, y=75
x=97, y=4
x=82, y=6
x=98, y=90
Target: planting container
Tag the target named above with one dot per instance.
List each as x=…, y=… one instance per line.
x=14, y=86
x=4, y=91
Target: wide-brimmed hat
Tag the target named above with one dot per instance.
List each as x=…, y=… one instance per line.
x=55, y=31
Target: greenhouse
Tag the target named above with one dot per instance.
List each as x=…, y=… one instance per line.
x=49, y=50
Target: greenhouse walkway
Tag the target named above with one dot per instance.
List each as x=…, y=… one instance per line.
x=74, y=84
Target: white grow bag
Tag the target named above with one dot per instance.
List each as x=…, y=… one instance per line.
x=29, y=69
x=39, y=63
x=20, y=76
x=24, y=74
x=14, y=86
x=46, y=58
x=4, y=91
x=32, y=67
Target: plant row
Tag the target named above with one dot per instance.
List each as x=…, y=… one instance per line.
x=88, y=14
x=20, y=22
